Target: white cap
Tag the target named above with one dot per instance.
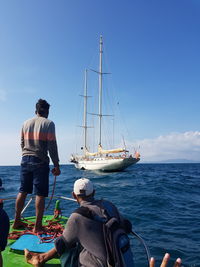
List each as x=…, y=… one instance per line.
x=83, y=187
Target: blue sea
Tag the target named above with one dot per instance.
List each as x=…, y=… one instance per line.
x=161, y=200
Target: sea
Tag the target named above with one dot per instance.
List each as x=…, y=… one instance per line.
x=161, y=200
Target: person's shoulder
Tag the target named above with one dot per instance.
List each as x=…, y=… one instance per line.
x=45, y=121
x=110, y=207
x=29, y=120
x=50, y=122
x=107, y=202
x=74, y=217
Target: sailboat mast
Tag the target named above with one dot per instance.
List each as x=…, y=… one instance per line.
x=100, y=87
x=85, y=112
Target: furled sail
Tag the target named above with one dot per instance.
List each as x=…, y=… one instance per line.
x=117, y=150
x=104, y=151
x=87, y=153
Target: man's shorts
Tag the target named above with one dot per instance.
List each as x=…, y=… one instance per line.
x=4, y=229
x=34, y=174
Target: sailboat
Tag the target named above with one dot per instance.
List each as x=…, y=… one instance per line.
x=103, y=159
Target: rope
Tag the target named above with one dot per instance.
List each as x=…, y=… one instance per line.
x=14, y=198
x=145, y=246
x=51, y=231
x=54, y=186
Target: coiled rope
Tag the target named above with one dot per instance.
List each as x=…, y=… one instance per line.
x=51, y=231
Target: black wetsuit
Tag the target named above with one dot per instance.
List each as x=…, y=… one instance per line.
x=4, y=228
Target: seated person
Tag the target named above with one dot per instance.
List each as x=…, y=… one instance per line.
x=1, y=188
x=87, y=233
x=4, y=230
x=81, y=230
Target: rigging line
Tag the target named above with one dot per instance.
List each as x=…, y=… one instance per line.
x=123, y=121
x=14, y=198
x=54, y=186
x=68, y=198
x=8, y=198
x=108, y=134
x=145, y=246
x=111, y=87
x=116, y=98
x=77, y=135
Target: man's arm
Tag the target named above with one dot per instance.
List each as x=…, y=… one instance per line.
x=52, y=148
x=67, y=240
x=22, y=138
x=69, y=237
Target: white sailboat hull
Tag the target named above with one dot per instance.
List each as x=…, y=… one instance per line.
x=105, y=164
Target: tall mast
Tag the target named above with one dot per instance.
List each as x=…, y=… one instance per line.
x=100, y=87
x=85, y=112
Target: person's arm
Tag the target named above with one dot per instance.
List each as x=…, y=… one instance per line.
x=56, y=170
x=165, y=261
x=52, y=148
x=70, y=235
x=22, y=139
x=67, y=240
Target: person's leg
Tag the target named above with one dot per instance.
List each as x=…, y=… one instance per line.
x=21, y=197
x=70, y=257
x=26, y=187
x=39, y=207
x=41, y=188
x=4, y=230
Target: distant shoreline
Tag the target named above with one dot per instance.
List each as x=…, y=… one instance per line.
x=141, y=162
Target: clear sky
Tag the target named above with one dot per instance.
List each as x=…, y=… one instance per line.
x=152, y=49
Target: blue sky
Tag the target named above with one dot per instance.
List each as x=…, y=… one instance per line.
x=151, y=49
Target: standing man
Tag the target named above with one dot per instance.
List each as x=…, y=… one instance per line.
x=37, y=140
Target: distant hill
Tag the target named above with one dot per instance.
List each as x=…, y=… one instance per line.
x=173, y=161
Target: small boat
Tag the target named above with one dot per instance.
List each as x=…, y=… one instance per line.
x=104, y=159
x=54, y=224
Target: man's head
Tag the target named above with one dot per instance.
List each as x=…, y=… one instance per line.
x=42, y=108
x=83, y=189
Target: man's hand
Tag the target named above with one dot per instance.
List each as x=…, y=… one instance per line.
x=165, y=261
x=56, y=171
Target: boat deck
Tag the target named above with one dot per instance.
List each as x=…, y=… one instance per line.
x=12, y=258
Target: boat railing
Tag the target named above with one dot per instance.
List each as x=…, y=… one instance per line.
x=32, y=197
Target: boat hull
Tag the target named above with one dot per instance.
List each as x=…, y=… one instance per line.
x=106, y=164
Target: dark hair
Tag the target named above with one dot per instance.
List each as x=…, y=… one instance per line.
x=42, y=107
x=84, y=197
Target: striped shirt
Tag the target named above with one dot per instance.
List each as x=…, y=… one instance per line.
x=38, y=138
